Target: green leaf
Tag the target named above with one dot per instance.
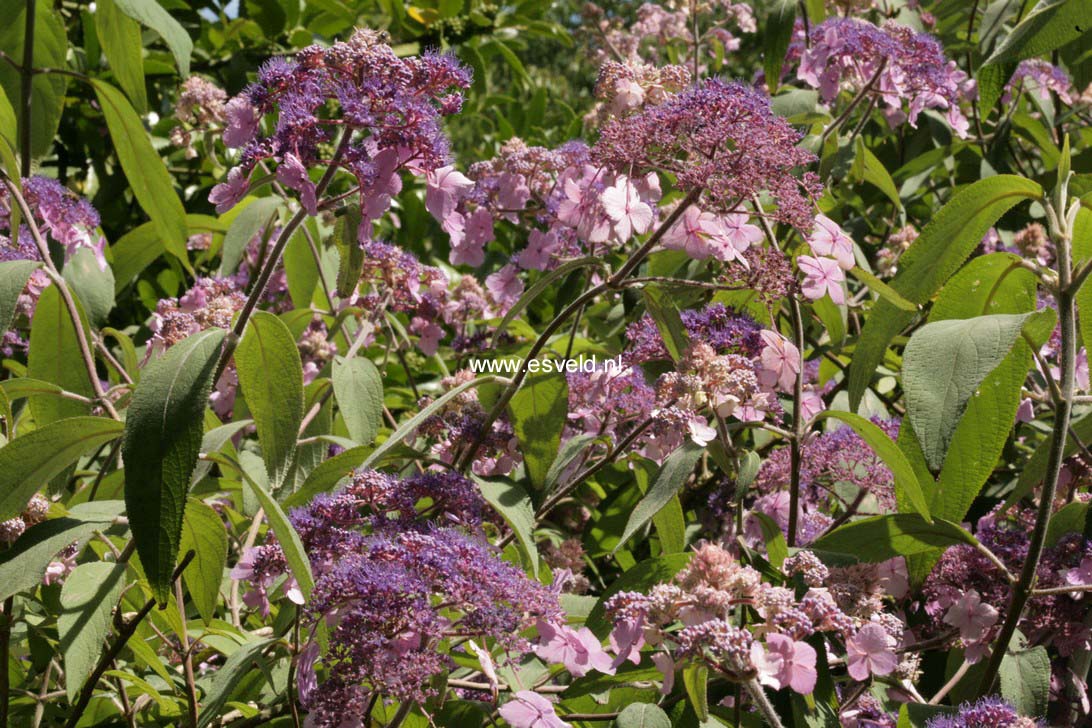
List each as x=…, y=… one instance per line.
x=227, y=676
x=55, y=356
x=87, y=601
x=123, y=46
x=287, y=537
x=833, y=317
x=696, y=681
x=142, y=686
x=50, y=51
x=1082, y=252
x=1050, y=25
x=870, y=169
x=570, y=450
x=212, y=441
x=514, y=505
x=538, y=287
x=538, y=412
x=147, y=175
x=989, y=284
x=1025, y=679
x=23, y=387
x=981, y=436
x=663, y=311
x=880, y=538
x=271, y=377
x=14, y=275
x=670, y=525
x=9, y=128
x=203, y=532
x=510, y=58
x=779, y=25
x=949, y=238
x=1070, y=518
x=991, y=85
x=642, y=715
x=637, y=578
x=163, y=432
x=777, y=550
x=358, y=389
x=32, y=460
x=327, y=475
x=23, y=565
x=152, y=15
x=92, y=286
x=943, y=365
x=251, y=220
x=916, y=715
x=350, y=254
x=674, y=473
x=140, y=247
x=410, y=426
x=885, y=291
x=906, y=482
x=300, y=268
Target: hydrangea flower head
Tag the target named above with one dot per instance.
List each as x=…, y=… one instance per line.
x=720, y=138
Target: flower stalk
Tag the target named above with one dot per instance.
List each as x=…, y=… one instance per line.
x=1061, y=230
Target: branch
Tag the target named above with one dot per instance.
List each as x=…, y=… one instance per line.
x=125, y=632
x=1067, y=354
x=66, y=296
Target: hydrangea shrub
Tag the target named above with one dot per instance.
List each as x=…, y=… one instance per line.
x=545, y=365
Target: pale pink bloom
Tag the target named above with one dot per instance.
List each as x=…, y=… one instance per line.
x=292, y=590
x=242, y=122
x=577, y=649
x=736, y=235
x=781, y=361
x=666, y=665
x=691, y=233
x=244, y=567
x=785, y=662
x=628, y=94
x=1079, y=576
x=776, y=506
x=464, y=251
x=385, y=185
x=870, y=652
x=1026, y=411
x=228, y=193
x=893, y=577
x=649, y=187
x=306, y=679
x=540, y=247
x=528, y=709
x=971, y=616
x=479, y=228
x=485, y=661
x=56, y=571
x=828, y=238
x=628, y=213
x=512, y=194
x=257, y=598
x=811, y=403
x=443, y=189
x=429, y=333
x=580, y=208
x=1080, y=371
x=505, y=286
x=626, y=640
x=293, y=174
x=700, y=431
x=822, y=277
